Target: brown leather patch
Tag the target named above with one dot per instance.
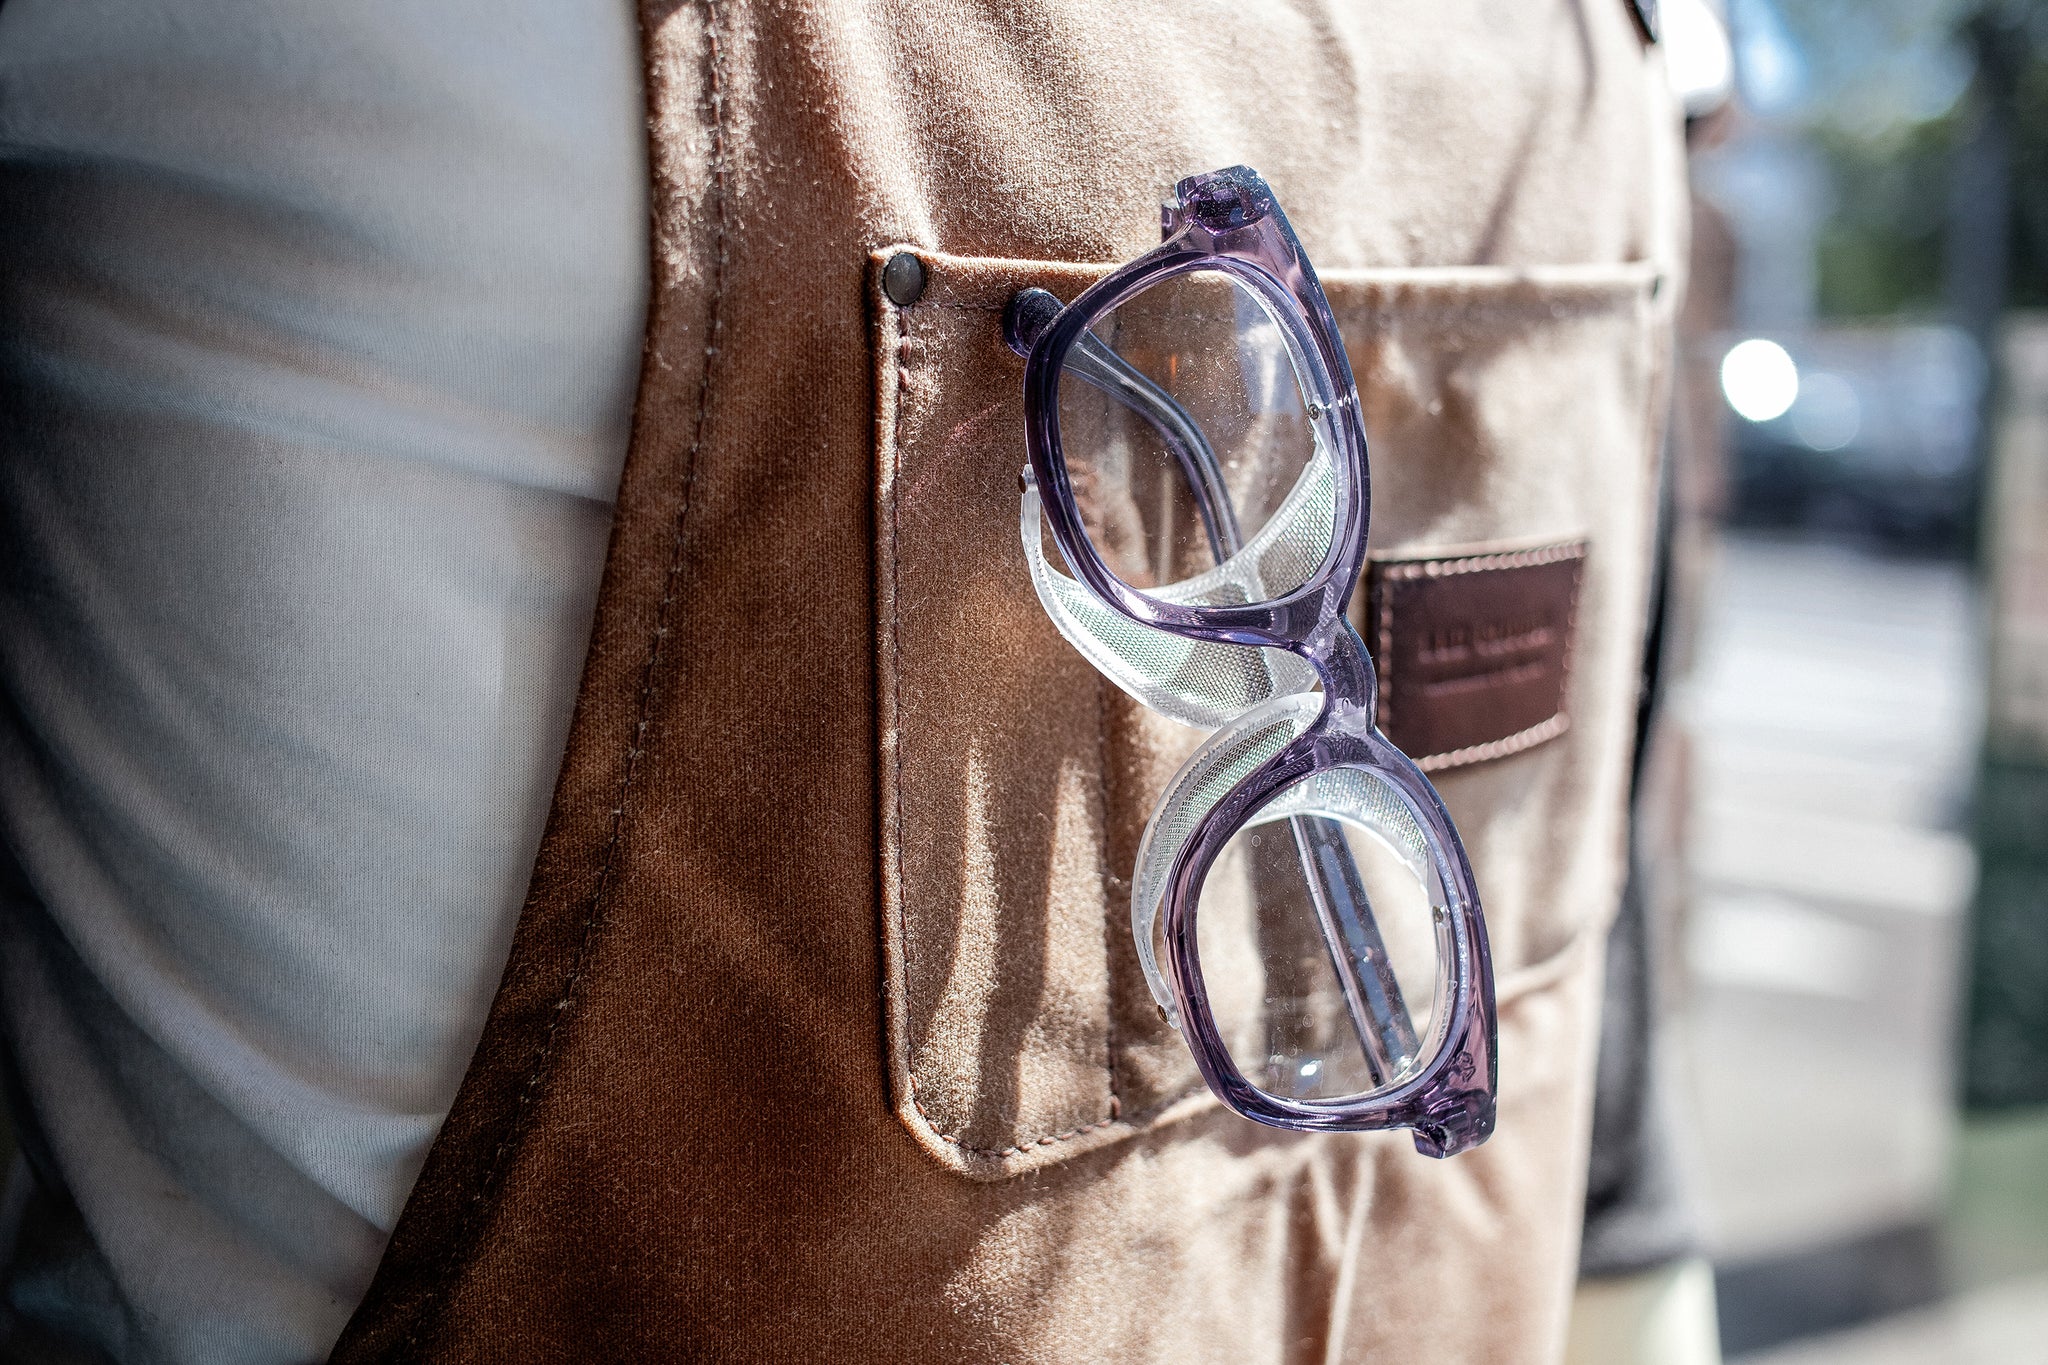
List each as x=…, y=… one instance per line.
x=1473, y=652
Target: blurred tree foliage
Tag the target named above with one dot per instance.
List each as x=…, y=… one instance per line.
x=1893, y=98
x=1881, y=251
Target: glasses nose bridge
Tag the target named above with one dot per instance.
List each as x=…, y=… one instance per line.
x=1340, y=659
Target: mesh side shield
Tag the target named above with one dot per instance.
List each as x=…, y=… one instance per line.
x=1198, y=683
x=1227, y=759
x=1357, y=798
x=1302, y=528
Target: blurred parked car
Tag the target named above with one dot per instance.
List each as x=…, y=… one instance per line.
x=1869, y=431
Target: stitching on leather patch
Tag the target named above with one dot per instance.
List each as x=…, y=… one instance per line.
x=1474, y=652
x=1500, y=748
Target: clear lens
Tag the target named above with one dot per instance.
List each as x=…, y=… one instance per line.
x=1322, y=936
x=1188, y=441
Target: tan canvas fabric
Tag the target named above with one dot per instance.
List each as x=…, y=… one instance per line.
x=823, y=1037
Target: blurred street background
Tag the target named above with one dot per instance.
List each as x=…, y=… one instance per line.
x=1855, y=755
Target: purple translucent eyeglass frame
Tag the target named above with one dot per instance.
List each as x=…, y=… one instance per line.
x=1227, y=221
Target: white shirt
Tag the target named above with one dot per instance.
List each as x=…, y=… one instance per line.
x=319, y=328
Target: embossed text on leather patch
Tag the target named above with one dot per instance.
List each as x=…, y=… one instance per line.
x=1473, y=651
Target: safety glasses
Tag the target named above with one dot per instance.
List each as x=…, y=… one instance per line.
x=1303, y=907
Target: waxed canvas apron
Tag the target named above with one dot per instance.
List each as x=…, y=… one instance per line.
x=822, y=1038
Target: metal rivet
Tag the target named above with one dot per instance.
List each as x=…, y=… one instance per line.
x=903, y=279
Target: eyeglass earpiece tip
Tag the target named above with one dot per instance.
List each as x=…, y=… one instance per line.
x=1027, y=317
x=1457, y=1129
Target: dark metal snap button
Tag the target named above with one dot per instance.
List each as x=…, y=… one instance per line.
x=903, y=279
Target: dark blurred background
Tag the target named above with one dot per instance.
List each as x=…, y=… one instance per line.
x=1855, y=763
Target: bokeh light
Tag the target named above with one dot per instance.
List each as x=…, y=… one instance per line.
x=1828, y=415
x=1759, y=379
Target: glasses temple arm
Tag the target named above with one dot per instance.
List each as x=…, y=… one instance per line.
x=1101, y=367
x=1032, y=311
x=1372, y=995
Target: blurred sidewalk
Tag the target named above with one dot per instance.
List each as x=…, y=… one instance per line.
x=1994, y=1243
x=1836, y=709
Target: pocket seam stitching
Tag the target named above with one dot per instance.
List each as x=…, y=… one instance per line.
x=904, y=348
x=1108, y=919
